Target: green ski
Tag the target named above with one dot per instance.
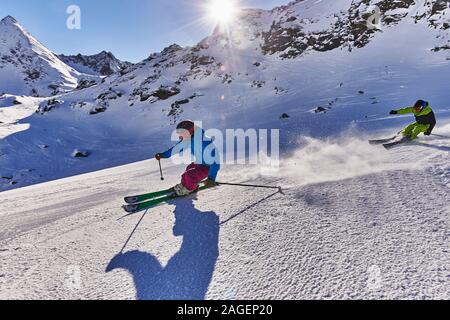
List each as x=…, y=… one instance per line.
x=382, y=141
x=137, y=207
x=147, y=196
x=404, y=140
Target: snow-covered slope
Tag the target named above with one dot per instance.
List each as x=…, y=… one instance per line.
x=355, y=222
x=103, y=64
x=229, y=80
x=29, y=68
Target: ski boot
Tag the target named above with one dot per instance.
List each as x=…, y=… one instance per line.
x=182, y=191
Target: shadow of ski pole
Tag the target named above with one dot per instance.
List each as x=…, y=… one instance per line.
x=134, y=230
x=249, y=207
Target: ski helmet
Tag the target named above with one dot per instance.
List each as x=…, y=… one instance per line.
x=420, y=104
x=187, y=125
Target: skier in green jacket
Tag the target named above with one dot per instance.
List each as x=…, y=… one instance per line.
x=425, y=120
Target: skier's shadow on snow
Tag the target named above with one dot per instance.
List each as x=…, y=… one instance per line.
x=189, y=272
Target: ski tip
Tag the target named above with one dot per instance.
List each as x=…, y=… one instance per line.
x=130, y=200
x=129, y=209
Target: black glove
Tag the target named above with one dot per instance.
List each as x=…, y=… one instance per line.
x=430, y=130
x=393, y=112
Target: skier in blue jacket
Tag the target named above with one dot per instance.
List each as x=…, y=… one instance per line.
x=206, y=165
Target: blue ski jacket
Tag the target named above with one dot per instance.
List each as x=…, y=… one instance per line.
x=202, y=148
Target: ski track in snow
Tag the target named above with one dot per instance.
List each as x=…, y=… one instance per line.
x=381, y=232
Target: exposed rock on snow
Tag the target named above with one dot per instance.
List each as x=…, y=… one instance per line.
x=80, y=153
x=97, y=110
x=176, y=110
x=164, y=93
x=321, y=110
x=48, y=105
x=83, y=84
x=104, y=63
x=300, y=27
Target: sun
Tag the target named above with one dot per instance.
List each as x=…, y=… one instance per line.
x=222, y=11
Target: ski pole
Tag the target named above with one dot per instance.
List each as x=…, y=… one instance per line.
x=249, y=185
x=160, y=170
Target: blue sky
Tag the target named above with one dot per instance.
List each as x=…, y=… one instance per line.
x=131, y=29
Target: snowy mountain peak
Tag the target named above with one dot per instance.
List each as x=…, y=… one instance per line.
x=11, y=30
x=8, y=24
x=27, y=67
x=8, y=20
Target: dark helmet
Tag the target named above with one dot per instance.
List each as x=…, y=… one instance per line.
x=187, y=125
x=420, y=104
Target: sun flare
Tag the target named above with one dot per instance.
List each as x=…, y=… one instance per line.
x=222, y=11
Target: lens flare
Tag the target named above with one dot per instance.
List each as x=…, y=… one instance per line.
x=222, y=11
